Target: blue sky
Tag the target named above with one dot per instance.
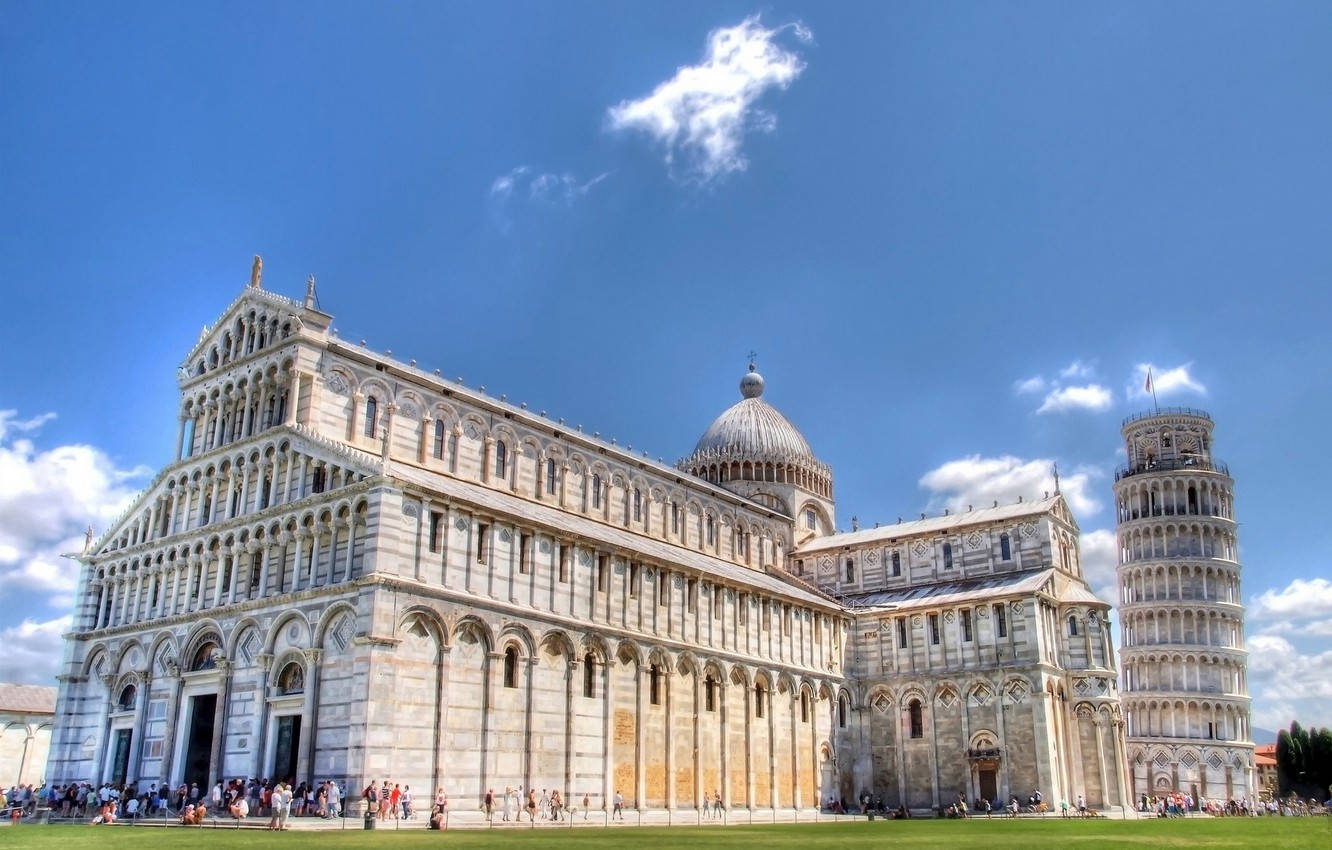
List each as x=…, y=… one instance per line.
x=908, y=210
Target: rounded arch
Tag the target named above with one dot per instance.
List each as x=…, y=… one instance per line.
x=476, y=628
x=629, y=650
x=237, y=631
x=270, y=643
x=517, y=633
x=204, y=630
x=416, y=619
x=329, y=616
x=597, y=646
x=558, y=642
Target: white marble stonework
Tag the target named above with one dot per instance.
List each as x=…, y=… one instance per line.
x=357, y=570
x=1186, y=694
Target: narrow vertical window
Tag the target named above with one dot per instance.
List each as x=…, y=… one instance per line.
x=524, y=553
x=371, y=415
x=482, y=543
x=709, y=525
x=596, y=491
x=709, y=693
x=934, y=629
x=255, y=563
x=436, y=520
x=689, y=595
x=1000, y=623
x=917, y=722
x=850, y=570
x=897, y=564
x=759, y=693
x=966, y=625
x=841, y=711
x=1005, y=547
x=675, y=518
x=811, y=519
x=550, y=475
x=804, y=706
x=501, y=459
x=638, y=505
x=663, y=588
x=948, y=556
x=439, y=439
x=1072, y=626
x=633, y=580
x=603, y=572
x=654, y=685
x=589, y=675
x=510, y=668
x=563, y=556
x=901, y=632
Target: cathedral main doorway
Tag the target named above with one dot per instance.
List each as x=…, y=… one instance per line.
x=987, y=779
x=285, y=748
x=120, y=757
x=199, y=743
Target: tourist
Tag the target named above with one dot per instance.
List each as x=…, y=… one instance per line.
x=1082, y=807
x=385, y=800
x=395, y=800
x=587, y=803
x=531, y=806
x=619, y=806
x=488, y=804
x=506, y=812
x=441, y=807
x=406, y=802
x=284, y=799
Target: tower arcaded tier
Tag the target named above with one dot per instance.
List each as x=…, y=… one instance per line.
x=1184, y=689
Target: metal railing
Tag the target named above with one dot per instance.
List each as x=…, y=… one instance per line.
x=1174, y=464
x=1168, y=411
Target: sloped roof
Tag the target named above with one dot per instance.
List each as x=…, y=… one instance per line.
x=27, y=699
x=588, y=529
x=953, y=592
x=929, y=525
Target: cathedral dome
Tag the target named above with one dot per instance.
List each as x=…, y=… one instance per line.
x=752, y=441
x=753, y=429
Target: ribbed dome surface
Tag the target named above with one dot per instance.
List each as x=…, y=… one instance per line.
x=753, y=428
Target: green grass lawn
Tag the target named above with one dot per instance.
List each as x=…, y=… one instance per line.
x=1267, y=833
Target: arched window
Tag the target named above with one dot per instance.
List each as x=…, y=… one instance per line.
x=917, y=723
x=510, y=668
x=596, y=490
x=589, y=675
x=439, y=439
x=841, y=711
x=948, y=556
x=501, y=459
x=291, y=680
x=638, y=505
x=371, y=415
x=654, y=685
x=1005, y=547
x=550, y=475
x=1072, y=625
x=897, y=564
x=804, y=706
x=126, y=701
x=206, y=656
x=759, y=693
x=709, y=693
x=709, y=525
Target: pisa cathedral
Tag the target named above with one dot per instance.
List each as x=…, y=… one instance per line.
x=355, y=569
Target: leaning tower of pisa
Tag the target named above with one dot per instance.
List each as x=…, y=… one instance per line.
x=1185, y=689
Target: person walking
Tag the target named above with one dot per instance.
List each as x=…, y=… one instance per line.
x=587, y=803
x=531, y=806
x=717, y=804
x=506, y=810
x=406, y=802
x=489, y=803
x=618, y=811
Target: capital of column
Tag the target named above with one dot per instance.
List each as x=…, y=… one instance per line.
x=313, y=656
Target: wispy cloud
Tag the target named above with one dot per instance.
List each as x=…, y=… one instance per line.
x=1065, y=399
x=980, y=481
x=1077, y=370
x=701, y=115
x=1287, y=684
x=547, y=188
x=1166, y=381
x=1030, y=386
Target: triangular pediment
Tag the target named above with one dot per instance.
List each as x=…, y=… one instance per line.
x=273, y=316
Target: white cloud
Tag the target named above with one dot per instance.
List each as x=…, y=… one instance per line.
x=1030, y=386
x=1302, y=599
x=32, y=650
x=703, y=112
x=1099, y=561
x=503, y=185
x=980, y=481
x=546, y=188
x=1077, y=370
x=1063, y=399
x=47, y=499
x=1287, y=684
x=1165, y=381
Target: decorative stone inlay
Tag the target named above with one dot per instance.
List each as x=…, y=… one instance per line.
x=504, y=535
x=544, y=547
x=1028, y=529
x=974, y=540
x=336, y=384
x=460, y=523
x=1162, y=760
x=1188, y=760
x=947, y=697
x=1215, y=761
x=585, y=558
x=872, y=556
x=410, y=509
x=921, y=547
x=409, y=410
x=982, y=695
x=882, y=704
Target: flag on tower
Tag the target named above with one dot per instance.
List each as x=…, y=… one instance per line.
x=1148, y=386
